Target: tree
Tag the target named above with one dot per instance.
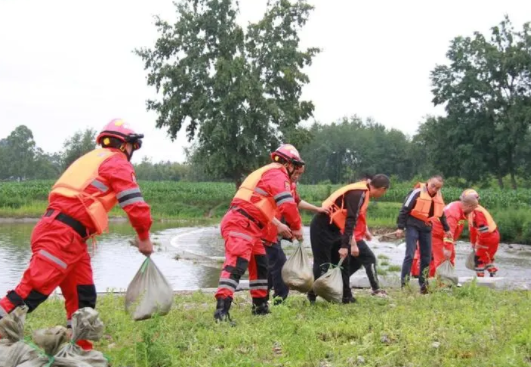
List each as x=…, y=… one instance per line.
x=47, y=166
x=347, y=150
x=77, y=145
x=17, y=154
x=487, y=92
x=239, y=92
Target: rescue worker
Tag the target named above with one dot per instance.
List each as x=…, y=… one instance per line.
x=485, y=239
x=78, y=205
x=366, y=257
x=422, y=204
x=333, y=235
x=277, y=231
x=443, y=247
x=264, y=192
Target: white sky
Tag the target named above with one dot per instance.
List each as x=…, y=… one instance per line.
x=67, y=65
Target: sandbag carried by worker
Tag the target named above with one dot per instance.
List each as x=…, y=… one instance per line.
x=297, y=272
x=470, y=261
x=330, y=285
x=149, y=293
x=446, y=272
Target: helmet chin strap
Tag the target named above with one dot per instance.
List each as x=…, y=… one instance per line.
x=290, y=173
x=123, y=149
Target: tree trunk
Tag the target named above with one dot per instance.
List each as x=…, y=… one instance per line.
x=500, y=181
x=238, y=183
x=513, y=180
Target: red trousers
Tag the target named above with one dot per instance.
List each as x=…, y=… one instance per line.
x=487, y=251
x=437, y=257
x=59, y=259
x=243, y=249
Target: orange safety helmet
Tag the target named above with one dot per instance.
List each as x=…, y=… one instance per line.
x=120, y=130
x=469, y=192
x=289, y=153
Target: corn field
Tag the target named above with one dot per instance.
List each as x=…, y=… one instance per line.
x=208, y=195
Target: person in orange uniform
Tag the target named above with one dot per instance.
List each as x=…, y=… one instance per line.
x=262, y=194
x=277, y=231
x=485, y=239
x=78, y=205
x=332, y=235
x=443, y=247
x=422, y=204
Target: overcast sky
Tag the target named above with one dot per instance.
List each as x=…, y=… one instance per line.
x=67, y=65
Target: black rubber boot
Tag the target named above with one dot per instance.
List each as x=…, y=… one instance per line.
x=260, y=306
x=222, y=309
x=348, y=300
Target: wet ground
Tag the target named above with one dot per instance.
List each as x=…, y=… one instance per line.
x=191, y=257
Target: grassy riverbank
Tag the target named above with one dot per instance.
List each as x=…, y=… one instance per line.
x=207, y=202
x=469, y=326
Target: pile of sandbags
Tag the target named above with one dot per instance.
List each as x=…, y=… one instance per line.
x=50, y=347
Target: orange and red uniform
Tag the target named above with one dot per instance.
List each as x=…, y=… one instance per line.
x=264, y=194
x=77, y=210
x=484, y=233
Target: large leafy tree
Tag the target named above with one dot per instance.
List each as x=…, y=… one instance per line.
x=77, y=145
x=17, y=154
x=349, y=149
x=486, y=88
x=237, y=92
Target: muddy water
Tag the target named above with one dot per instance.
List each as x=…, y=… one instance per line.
x=191, y=257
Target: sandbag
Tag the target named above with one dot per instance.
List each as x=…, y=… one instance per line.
x=149, y=293
x=330, y=285
x=86, y=325
x=13, y=349
x=446, y=272
x=297, y=272
x=471, y=261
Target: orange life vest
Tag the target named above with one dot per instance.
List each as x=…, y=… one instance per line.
x=490, y=222
x=255, y=195
x=338, y=215
x=423, y=205
x=82, y=174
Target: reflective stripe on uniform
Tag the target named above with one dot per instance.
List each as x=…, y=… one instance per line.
x=125, y=203
x=228, y=281
x=261, y=191
x=257, y=281
x=100, y=185
x=124, y=193
x=484, y=229
x=410, y=198
x=129, y=196
x=56, y=260
x=284, y=197
x=225, y=284
x=258, y=284
x=241, y=235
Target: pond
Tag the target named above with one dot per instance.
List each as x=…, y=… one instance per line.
x=191, y=257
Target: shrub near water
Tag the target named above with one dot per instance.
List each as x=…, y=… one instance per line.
x=468, y=326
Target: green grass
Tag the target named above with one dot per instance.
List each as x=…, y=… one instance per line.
x=469, y=326
x=394, y=268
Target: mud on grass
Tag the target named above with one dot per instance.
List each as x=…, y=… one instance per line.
x=469, y=326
